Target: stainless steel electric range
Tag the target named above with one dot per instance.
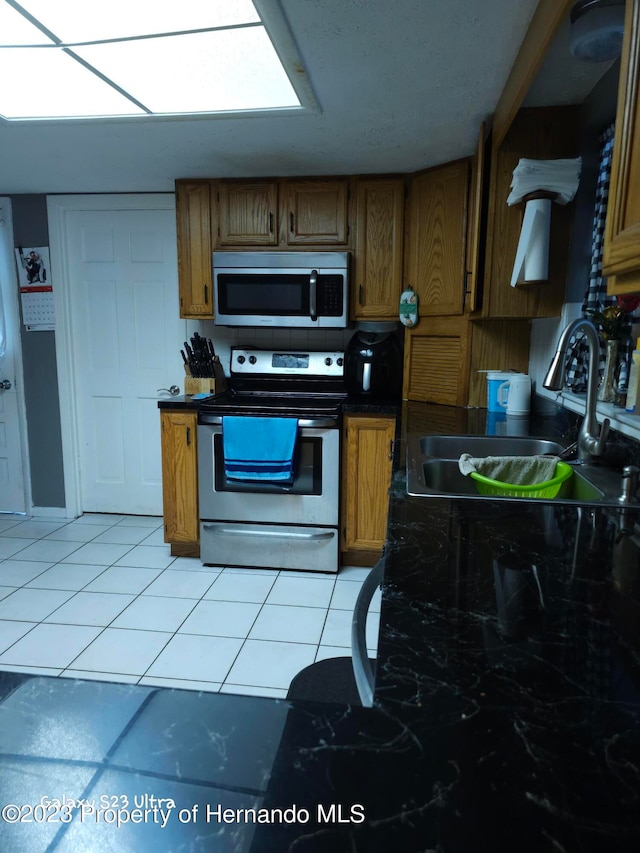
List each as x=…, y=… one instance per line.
x=291, y=525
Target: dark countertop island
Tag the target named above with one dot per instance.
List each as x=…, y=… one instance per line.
x=507, y=711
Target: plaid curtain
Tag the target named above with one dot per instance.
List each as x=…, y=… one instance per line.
x=596, y=298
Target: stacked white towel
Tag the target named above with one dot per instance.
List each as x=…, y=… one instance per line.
x=557, y=176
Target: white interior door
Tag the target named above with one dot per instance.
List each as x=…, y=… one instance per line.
x=126, y=337
x=12, y=491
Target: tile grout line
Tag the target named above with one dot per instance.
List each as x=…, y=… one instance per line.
x=141, y=596
x=242, y=644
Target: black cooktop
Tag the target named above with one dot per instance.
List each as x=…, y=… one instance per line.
x=294, y=404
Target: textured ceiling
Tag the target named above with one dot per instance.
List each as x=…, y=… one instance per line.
x=401, y=85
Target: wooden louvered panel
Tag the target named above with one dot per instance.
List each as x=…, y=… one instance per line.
x=436, y=356
x=435, y=366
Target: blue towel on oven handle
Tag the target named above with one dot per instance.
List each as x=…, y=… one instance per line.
x=259, y=449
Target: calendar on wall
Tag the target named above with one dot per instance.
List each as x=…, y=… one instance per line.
x=36, y=290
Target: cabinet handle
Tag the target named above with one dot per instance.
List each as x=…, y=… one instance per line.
x=291, y=222
x=360, y=295
x=391, y=447
x=271, y=223
x=206, y=295
x=188, y=436
x=466, y=291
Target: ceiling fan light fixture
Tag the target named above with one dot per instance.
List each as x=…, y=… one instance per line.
x=596, y=30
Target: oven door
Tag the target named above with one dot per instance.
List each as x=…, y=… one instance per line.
x=312, y=498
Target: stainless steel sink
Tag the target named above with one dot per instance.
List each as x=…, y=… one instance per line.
x=432, y=468
x=453, y=446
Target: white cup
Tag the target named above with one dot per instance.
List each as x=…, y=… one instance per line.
x=519, y=399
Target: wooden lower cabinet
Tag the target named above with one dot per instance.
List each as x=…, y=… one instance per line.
x=179, y=436
x=367, y=454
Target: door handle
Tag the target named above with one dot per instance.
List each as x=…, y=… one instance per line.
x=270, y=534
x=5, y=384
x=313, y=286
x=173, y=390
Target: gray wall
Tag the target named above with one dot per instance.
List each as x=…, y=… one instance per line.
x=598, y=110
x=44, y=437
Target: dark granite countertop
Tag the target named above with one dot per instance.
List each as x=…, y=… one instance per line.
x=181, y=401
x=507, y=711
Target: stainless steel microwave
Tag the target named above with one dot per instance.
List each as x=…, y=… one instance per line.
x=299, y=290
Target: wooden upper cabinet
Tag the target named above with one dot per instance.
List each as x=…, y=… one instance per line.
x=539, y=133
x=376, y=283
x=247, y=213
x=436, y=266
x=621, y=250
x=195, y=274
x=316, y=212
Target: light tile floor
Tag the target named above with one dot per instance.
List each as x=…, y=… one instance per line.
x=101, y=597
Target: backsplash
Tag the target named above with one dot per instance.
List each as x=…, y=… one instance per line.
x=544, y=338
x=224, y=338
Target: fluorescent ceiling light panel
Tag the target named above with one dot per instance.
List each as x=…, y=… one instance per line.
x=16, y=29
x=204, y=72
x=140, y=58
x=77, y=92
x=82, y=20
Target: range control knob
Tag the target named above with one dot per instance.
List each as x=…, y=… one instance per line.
x=328, y=361
x=339, y=362
x=252, y=359
x=241, y=359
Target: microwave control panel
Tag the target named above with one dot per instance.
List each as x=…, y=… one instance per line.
x=330, y=295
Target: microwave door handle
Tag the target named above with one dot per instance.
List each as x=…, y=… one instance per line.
x=313, y=284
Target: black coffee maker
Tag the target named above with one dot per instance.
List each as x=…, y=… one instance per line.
x=373, y=362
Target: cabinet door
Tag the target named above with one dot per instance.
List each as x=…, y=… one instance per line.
x=436, y=361
x=316, y=212
x=367, y=458
x=247, y=213
x=195, y=275
x=377, y=278
x=621, y=249
x=437, y=238
x=475, y=225
x=179, y=476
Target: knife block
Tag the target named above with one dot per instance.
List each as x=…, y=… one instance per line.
x=205, y=385
x=193, y=385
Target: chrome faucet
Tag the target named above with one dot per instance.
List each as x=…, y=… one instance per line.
x=591, y=440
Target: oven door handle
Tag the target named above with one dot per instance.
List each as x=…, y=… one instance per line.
x=275, y=534
x=310, y=423
x=313, y=298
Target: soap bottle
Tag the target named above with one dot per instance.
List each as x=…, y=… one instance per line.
x=633, y=397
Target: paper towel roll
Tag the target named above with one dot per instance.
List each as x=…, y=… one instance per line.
x=532, y=255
